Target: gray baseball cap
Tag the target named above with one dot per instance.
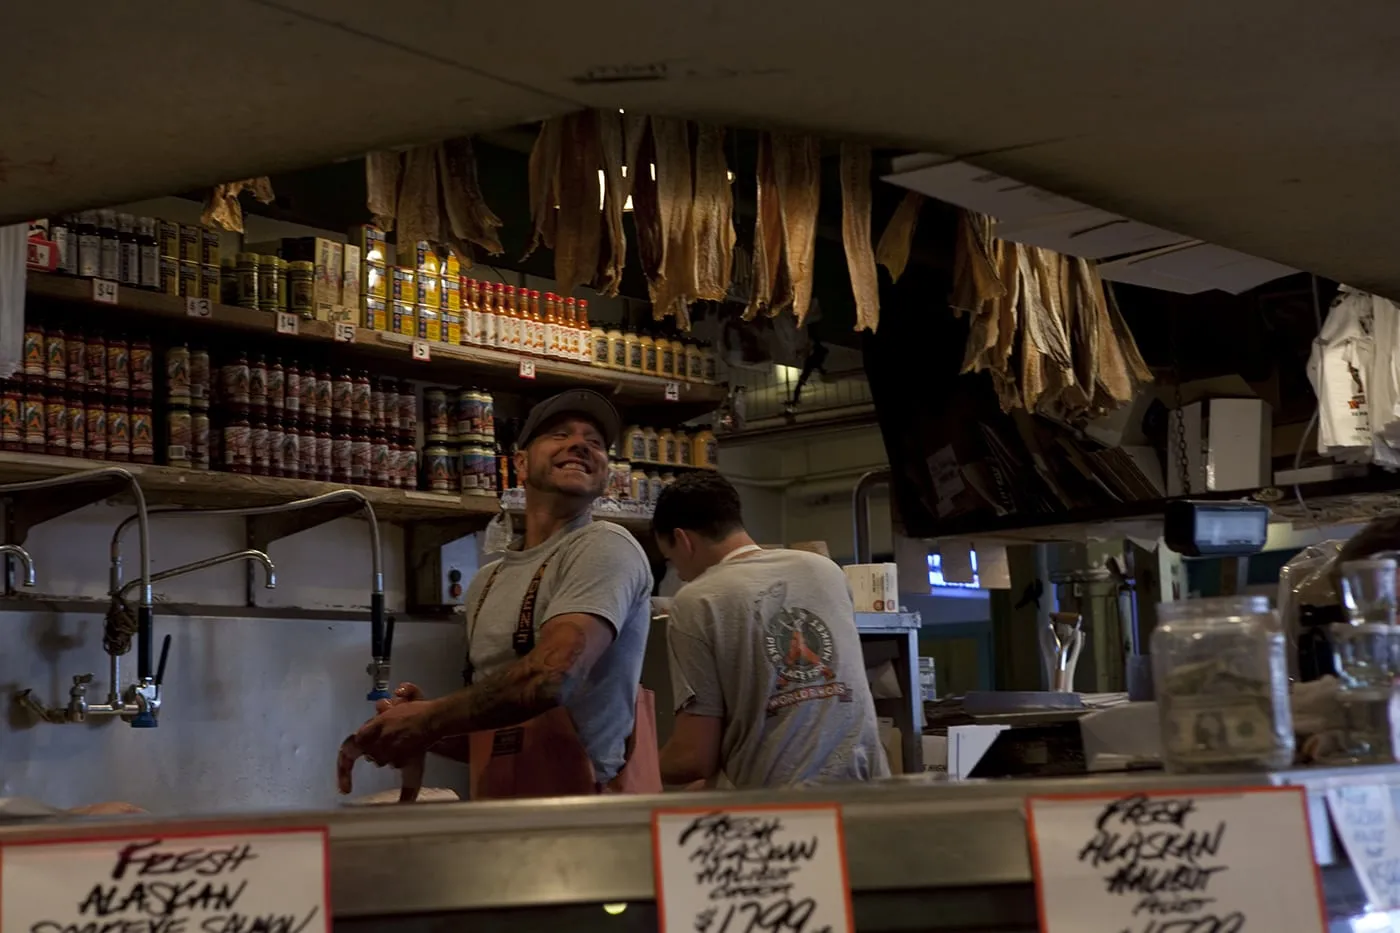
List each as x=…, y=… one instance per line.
x=583, y=402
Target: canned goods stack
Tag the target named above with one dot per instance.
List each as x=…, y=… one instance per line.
x=139, y=252
x=459, y=453
x=81, y=394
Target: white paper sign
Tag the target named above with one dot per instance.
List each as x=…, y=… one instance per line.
x=272, y=881
x=197, y=307
x=287, y=323
x=344, y=332
x=1234, y=861
x=105, y=291
x=1365, y=820
x=527, y=369
x=419, y=351
x=673, y=392
x=748, y=869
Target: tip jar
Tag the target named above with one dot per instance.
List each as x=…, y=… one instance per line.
x=1221, y=676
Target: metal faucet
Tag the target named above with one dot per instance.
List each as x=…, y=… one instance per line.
x=381, y=633
x=143, y=623
x=141, y=702
x=24, y=559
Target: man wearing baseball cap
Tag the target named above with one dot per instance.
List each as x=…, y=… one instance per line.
x=556, y=630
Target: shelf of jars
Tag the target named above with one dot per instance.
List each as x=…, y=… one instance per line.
x=164, y=485
x=659, y=398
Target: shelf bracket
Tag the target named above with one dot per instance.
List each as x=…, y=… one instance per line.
x=26, y=510
x=262, y=530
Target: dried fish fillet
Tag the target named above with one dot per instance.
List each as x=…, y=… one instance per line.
x=383, y=171
x=221, y=207
x=646, y=212
x=892, y=251
x=1133, y=356
x=855, y=234
x=612, y=251
x=712, y=216
x=797, y=171
x=671, y=290
x=544, y=184
x=768, y=256
x=419, y=214
x=468, y=216
x=579, y=231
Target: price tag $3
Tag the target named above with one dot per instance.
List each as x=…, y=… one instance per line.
x=527, y=369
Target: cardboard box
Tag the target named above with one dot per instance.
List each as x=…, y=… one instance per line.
x=1228, y=446
x=350, y=278
x=874, y=587
x=374, y=281
x=371, y=242
x=374, y=313
x=401, y=285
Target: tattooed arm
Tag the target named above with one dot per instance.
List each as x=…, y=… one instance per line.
x=566, y=649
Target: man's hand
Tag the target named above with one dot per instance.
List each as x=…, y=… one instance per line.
x=404, y=693
x=396, y=736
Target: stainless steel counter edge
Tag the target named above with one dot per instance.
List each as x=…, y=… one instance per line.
x=904, y=834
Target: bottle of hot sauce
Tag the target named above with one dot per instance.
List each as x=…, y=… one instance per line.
x=537, y=323
x=551, y=325
x=585, y=337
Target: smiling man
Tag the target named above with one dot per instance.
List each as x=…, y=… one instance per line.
x=556, y=630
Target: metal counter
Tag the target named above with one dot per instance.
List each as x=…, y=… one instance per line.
x=921, y=855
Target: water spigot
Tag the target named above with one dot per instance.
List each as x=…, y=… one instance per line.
x=148, y=692
x=378, y=668
x=24, y=559
x=77, y=698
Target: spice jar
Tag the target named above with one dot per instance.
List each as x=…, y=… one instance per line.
x=1366, y=652
x=270, y=272
x=651, y=358
x=248, y=264
x=300, y=290
x=1222, y=685
x=632, y=344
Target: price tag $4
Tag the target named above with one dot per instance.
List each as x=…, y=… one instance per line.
x=420, y=351
x=344, y=332
x=105, y=291
x=198, y=307
x=527, y=369
x=286, y=323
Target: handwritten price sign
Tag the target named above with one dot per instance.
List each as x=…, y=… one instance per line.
x=746, y=870
x=1365, y=820
x=1227, y=861
x=287, y=323
x=344, y=332
x=198, y=307
x=420, y=352
x=176, y=884
x=105, y=291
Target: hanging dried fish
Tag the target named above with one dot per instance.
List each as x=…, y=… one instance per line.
x=771, y=290
x=671, y=290
x=712, y=216
x=612, y=250
x=892, y=251
x=579, y=231
x=383, y=171
x=797, y=169
x=221, y=207
x=544, y=184
x=976, y=278
x=855, y=234
x=646, y=211
x=468, y=217
x=1137, y=366
x=419, y=213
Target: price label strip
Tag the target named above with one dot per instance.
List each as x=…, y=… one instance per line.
x=1364, y=816
x=198, y=307
x=105, y=291
x=258, y=880
x=749, y=869
x=287, y=323
x=1224, y=860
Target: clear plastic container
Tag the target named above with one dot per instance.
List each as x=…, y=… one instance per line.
x=928, y=680
x=1222, y=685
x=1366, y=652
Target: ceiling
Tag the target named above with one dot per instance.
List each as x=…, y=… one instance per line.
x=1267, y=126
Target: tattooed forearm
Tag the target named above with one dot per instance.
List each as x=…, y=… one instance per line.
x=535, y=684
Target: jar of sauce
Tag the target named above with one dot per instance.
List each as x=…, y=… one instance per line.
x=694, y=362
x=237, y=442
x=704, y=449
x=667, y=442
x=632, y=343
x=634, y=443
x=651, y=356
x=653, y=452
x=666, y=348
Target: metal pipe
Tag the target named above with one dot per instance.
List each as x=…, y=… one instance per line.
x=24, y=558
x=376, y=560
x=860, y=507
x=145, y=611
x=247, y=554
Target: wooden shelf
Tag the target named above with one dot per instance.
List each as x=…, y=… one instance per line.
x=1341, y=501
x=644, y=397
x=212, y=489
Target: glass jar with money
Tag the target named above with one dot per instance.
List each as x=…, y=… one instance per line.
x=1366, y=652
x=1222, y=685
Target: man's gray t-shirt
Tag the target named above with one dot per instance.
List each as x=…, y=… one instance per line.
x=767, y=641
x=596, y=568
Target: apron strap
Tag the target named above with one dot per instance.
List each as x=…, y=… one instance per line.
x=523, y=639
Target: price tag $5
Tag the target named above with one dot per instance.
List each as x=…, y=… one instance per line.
x=420, y=351
x=344, y=332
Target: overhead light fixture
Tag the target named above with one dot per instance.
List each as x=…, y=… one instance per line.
x=612, y=910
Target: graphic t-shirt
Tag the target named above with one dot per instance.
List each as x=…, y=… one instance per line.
x=768, y=642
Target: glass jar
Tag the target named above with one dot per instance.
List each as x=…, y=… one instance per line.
x=1222, y=685
x=1366, y=654
x=928, y=680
